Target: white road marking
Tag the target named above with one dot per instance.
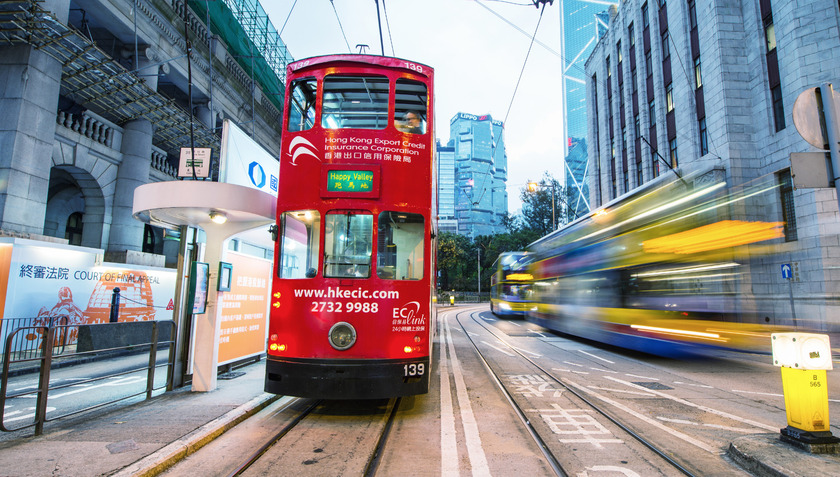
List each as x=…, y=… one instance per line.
x=702, y=408
x=448, y=444
x=623, y=391
x=642, y=377
x=715, y=426
x=499, y=349
x=653, y=422
x=596, y=357
x=478, y=461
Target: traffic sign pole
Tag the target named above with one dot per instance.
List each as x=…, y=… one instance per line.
x=832, y=122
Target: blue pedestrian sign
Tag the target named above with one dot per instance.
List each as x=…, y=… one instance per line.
x=787, y=271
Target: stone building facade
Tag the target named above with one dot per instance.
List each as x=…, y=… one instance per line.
x=96, y=98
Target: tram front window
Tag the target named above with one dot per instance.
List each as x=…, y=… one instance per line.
x=410, y=106
x=302, y=104
x=299, y=244
x=348, y=244
x=359, y=102
x=400, y=246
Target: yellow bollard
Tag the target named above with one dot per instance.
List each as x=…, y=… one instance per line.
x=452, y=300
x=804, y=358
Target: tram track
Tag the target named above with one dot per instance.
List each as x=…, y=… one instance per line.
x=556, y=463
x=301, y=437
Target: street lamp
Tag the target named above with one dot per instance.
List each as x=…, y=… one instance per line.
x=532, y=187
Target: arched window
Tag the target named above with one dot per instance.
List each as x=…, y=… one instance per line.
x=148, y=239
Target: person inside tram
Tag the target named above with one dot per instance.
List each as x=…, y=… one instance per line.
x=411, y=123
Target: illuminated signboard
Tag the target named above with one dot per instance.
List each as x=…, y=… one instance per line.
x=349, y=181
x=346, y=180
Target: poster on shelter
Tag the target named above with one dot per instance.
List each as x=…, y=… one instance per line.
x=61, y=284
x=244, y=309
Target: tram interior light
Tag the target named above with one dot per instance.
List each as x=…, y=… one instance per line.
x=218, y=217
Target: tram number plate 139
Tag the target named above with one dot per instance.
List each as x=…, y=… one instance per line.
x=414, y=369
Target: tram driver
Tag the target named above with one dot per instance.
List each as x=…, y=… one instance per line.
x=411, y=123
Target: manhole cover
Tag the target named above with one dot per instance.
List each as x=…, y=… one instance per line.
x=654, y=386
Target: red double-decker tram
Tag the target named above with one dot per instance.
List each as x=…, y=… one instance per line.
x=351, y=314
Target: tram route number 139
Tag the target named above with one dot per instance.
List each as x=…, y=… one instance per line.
x=414, y=369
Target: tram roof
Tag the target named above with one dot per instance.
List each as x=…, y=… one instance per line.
x=387, y=61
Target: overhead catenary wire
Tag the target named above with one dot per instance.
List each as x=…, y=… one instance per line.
x=340, y=26
x=289, y=16
x=388, y=26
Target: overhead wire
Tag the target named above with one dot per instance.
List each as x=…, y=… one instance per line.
x=388, y=27
x=512, y=98
x=288, y=16
x=340, y=26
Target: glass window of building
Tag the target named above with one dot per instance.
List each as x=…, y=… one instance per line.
x=770, y=33
x=348, y=244
x=652, y=113
x=698, y=80
x=358, y=102
x=300, y=241
x=410, y=109
x=666, y=49
x=302, y=104
x=778, y=108
x=669, y=97
x=672, y=148
x=645, y=21
x=400, y=246
x=704, y=141
x=788, y=210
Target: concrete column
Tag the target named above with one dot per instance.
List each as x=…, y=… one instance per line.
x=31, y=81
x=126, y=231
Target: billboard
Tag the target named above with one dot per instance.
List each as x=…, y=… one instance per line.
x=244, y=309
x=244, y=162
x=44, y=280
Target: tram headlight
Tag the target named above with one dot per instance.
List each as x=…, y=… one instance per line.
x=342, y=336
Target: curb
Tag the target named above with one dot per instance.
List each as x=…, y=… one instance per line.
x=170, y=454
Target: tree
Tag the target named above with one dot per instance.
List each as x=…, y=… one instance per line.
x=538, y=212
x=452, y=260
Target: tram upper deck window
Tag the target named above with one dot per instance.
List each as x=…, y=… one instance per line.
x=299, y=244
x=400, y=246
x=302, y=104
x=359, y=102
x=348, y=244
x=410, y=106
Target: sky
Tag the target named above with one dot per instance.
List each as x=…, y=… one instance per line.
x=477, y=57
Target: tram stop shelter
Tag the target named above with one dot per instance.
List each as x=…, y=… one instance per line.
x=173, y=204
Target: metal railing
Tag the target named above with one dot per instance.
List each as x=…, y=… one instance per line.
x=53, y=348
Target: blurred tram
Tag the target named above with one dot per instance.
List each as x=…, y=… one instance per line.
x=351, y=314
x=510, y=285
x=664, y=269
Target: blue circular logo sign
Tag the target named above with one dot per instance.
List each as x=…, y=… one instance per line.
x=257, y=174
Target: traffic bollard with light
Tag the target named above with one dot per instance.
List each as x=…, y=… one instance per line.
x=804, y=359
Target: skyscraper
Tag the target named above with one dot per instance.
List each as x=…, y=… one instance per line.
x=583, y=23
x=480, y=174
x=446, y=187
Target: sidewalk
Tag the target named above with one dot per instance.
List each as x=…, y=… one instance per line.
x=138, y=439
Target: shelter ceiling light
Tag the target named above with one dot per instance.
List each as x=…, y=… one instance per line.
x=218, y=217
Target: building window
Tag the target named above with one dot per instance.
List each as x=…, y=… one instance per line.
x=654, y=163
x=618, y=52
x=73, y=230
x=648, y=63
x=666, y=51
x=788, y=211
x=631, y=36
x=704, y=141
x=609, y=71
x=770, y=33
x=672, y=149
x=645, y=21
x=639, y=178
x=669, y=97
x=637, y=127
x=652, y=113
x=698, y=80
x=692, y=15
x=778, y=108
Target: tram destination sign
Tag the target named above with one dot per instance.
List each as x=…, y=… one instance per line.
x=350, y=181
